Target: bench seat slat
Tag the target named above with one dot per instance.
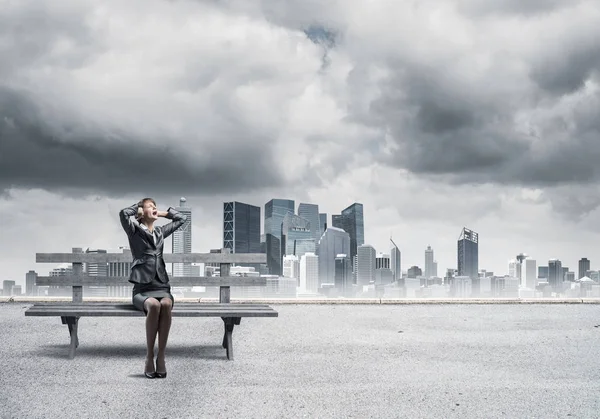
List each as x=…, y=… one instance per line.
x=177, y=281
x=136, y=313
x=128, y=310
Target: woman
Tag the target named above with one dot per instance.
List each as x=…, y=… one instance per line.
x=151, y=289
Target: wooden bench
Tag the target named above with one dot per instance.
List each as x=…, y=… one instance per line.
x=71, y=312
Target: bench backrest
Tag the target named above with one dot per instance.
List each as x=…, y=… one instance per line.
x=78, y=279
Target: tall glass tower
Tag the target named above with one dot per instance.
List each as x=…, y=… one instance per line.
x=468, y=257
x=241, y=227
x=351, y=220
x=182, y=240
x=310, y=212
x=275, y=211
x=395, y=263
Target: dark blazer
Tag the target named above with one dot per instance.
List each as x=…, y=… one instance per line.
x=147, y=257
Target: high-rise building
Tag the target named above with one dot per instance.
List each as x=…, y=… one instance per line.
x=120, y=269
x=429, y=267
x=414, y=272
x=322, y=222
x=382, y=261
x=584, y=266
x=343, y=274
x=309, y=273
x=275, y=211
x=182, y=240
x=543, y=272
x=468, y=257
x=530, y=273
x=296, y=236
x=333, y=242
x=555, y=274
x=395, y=261
x=30, y=287
x=291, y=267
x=351, y=220
x=241, y=227
x=7, y=286
x=310, y=212
x=365, y=264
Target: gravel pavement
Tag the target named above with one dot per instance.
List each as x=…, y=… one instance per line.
x=326, y=361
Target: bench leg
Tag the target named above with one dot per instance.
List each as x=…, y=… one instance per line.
x=229, y=322
x=72, y=323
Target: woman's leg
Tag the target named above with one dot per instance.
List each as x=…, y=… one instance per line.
x=152, y=308
x=164, y=325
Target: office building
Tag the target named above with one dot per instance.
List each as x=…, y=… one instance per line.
x=309, y=273
x=351, y=220
x=333, y=242
x=530, y=273
x=241, y=227
x=296, y=230
x=310, y=212
x=395, y=261
x=365, y=264
x=182, y=240
x=30, y=286
x=382, y=261
x=429, y=263
x=584, y=266
x=468, y=254
x=555, y=275
x=291, y=267
x=322, y=222
x=343, y=274
x=275, y=211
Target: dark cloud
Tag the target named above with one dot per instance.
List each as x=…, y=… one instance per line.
x=86, y=159
x=467, y=132
x=566, y=67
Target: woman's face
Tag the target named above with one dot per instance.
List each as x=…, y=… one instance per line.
x=149, y=211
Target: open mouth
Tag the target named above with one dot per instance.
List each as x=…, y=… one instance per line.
x=154, y=213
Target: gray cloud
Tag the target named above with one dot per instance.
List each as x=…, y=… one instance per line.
x=83, y=158
x=513, y=7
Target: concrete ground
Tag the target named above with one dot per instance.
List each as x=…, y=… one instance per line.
x=339, y=361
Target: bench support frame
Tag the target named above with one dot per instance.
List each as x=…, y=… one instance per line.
x=72, y=323
x=229, y=322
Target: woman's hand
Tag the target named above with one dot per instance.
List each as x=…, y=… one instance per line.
x=162, y=213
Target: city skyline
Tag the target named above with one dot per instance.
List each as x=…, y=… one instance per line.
x=434, y=118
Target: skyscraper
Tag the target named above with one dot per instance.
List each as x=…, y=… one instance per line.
x=365, y=264
x=333, y=242
x=309, y=273
x=468, y=254
x=429, y=271
x=310, y=212
x=275, y=211
x=296, y=236
x=322, y=222
x=468, y=257
x=343, y=274
x=182, y=240
x=395, y=261
x=584, y=266
x=241, y=227
x=530, y=273
x=555, y=274
x=351, y=220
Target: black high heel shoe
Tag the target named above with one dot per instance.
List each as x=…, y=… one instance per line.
x=161, y=374
x=150, y=374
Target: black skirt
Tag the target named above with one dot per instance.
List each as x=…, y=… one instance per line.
x=155, y=289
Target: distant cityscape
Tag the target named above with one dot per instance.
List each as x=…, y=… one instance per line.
x=308, y=258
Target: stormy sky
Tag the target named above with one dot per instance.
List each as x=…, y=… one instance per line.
x=434, y=114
